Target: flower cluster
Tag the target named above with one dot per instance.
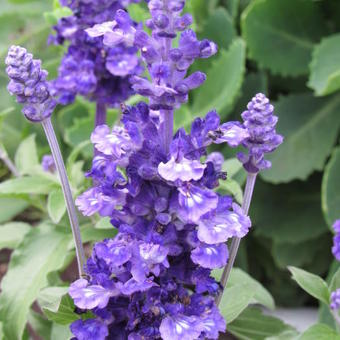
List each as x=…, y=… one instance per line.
x=260, y=122
x=90, y=68
x=336, y=240
x=28, y=83
x=153, y=280
x=167, y=65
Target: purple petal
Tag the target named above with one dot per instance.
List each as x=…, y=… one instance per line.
x=231, y=133
x=185, y=170
x=100, y=29
x=121, y=64
x=213, y=323
x=210, y=256
x=86, y=296
x=194, y=202
x=90, y=329
x=180, y=327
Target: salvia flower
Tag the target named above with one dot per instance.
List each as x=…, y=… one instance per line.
x=28, y=83
x=260, y=123
x=153, y=280
x=336, y=240
x=89, y=68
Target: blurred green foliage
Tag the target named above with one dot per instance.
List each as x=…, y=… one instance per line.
x=288, y=49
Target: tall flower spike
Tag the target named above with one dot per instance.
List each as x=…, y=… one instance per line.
x=28, y=84
x=89, y=68
x=262, y=138
x=260, y=123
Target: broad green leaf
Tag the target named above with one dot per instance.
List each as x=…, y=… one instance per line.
x=58, y=13
x=335, y=282
x=12, y=234
x=26, y=157
x=320, y=332
x=233, y=8
x=56, y=205
x=253, y=325
x=239, y=277
x=279, y=39
x=80, y=132
x=43, y=250
x=235, y=300
x=312, y=284
x=10, y=207
x=57, y=305
x=234, y=169
x=224, y=80
x=288, y=213
x=28, y=185
x=61, y=332
x=104, y=223
x=40, y=325
x=286, y=253
x=330, y=193
x=91, y=234
x=233, y=188
x=325, y=66
x=309, y=126
x=219, y=28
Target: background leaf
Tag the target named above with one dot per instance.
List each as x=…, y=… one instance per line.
x=331, y=189
x=311, y=283
x=56, y=205
x=320, y=332
x=12, y=234
x=26, y=157
x=280, y=34
x=43, y=250
x=325, y=67
x=310, y=127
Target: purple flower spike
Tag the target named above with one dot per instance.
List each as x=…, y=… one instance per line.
x=260, y=123
x=91, y=329
x=336, y=240
x=28, y=83
x=335, y=300
x=87, y=296
x=180, y=327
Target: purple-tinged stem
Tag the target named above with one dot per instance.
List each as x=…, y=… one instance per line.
x=71, y=209
x=10, y=165
x=248, y=193
x=166, y=128
x=100, y=118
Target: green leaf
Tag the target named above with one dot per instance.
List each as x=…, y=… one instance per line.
x=235, y=300
x=10, y=207
x=40, y=325
x=80, y=132
x=279, y=39
x=309, y=126
x=312, y=284
x=320, y=332
x=28, y=185
x=253, y=325
x=224, y=80
x=325, y=66
x=61, y=332
x=43, y=250
x=235, y=170
x=57, y=305
x=335, y=282
x=288, y=213
x=56, y=205
x=330, y=193
x=26, y=157
x=89, y=233
x=12, y=234
x=229, y=186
